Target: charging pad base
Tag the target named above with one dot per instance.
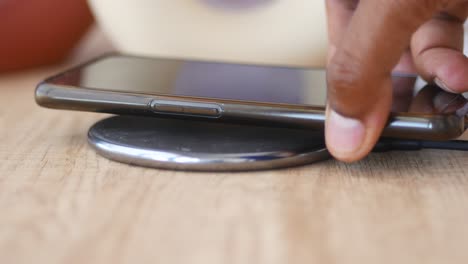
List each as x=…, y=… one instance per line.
x=204, y=146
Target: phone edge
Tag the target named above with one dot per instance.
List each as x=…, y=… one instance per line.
x=424, y=127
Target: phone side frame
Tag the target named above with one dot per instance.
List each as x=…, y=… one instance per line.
x=400, y=125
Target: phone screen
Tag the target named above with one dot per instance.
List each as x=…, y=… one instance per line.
x=268, y=84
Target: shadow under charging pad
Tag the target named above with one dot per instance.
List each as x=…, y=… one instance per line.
x=204, y=146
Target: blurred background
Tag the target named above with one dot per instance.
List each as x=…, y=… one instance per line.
x=44, y=32
x=41, y=32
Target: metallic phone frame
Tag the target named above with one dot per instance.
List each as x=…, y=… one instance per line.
x=400, y=125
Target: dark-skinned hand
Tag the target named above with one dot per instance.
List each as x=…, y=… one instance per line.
x=371, y=38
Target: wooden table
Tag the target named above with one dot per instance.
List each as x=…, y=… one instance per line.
x=61, y=203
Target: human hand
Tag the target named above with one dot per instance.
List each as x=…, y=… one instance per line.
x=369, y=39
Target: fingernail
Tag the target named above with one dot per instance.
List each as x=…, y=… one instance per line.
x=443, y=85
x=346, y=135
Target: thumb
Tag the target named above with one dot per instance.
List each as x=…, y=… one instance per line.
x=359, y=74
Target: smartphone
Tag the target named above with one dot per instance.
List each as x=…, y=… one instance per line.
x=238, y=93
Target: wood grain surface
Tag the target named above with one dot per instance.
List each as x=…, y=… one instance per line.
x=61, y=203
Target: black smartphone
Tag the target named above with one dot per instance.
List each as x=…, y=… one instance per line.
x=239, y=93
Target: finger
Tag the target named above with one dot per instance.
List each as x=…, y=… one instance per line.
x=438, y=50
x=359, y=82
x=339, y=13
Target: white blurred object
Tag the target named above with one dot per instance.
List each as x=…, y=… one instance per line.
x=289, y=32
x=94, y=44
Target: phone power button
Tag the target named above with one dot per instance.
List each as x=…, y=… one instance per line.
x=186, y=108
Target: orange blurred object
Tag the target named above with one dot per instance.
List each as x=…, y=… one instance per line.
x=36, y=32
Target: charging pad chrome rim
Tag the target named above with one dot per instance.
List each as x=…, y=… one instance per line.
x=201, y=146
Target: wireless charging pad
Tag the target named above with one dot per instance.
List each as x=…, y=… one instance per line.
x=204, y=146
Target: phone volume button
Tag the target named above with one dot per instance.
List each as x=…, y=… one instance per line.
x=186, y=108
x=167, y=108
x=205, y=111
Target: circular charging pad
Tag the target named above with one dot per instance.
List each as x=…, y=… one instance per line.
x=204, y=146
